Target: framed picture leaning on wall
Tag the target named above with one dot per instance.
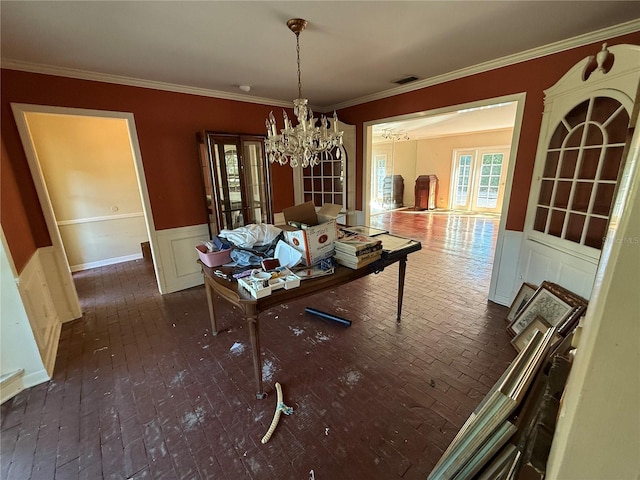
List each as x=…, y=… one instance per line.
x=543, y=303
x=522, y=297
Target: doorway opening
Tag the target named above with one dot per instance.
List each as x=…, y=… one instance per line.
x=77, y=205
x=467, y=152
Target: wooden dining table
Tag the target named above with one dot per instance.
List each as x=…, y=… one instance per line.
x=232, y=293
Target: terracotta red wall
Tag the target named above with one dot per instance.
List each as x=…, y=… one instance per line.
x=166, y=123
x=16, y=222
x=532, y=77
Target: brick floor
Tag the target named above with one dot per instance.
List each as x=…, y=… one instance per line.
x=142, y=389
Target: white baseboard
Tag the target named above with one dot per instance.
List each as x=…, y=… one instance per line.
x=18, y=381
x=11, y=385
x=105, y=262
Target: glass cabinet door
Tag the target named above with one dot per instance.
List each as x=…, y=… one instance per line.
x=256, y=181
x=236, y=180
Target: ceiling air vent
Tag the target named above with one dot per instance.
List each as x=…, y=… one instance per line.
x=405, y=80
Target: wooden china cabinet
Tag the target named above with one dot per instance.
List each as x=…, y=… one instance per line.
x=236, y=180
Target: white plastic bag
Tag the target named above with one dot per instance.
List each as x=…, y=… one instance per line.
x=251, y=235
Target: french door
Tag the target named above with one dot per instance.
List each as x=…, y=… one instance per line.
x=477, y=180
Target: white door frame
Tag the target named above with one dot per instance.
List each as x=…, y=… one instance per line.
x=519, y=98
x=19, y=111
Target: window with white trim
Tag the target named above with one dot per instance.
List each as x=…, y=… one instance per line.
x=326, y=182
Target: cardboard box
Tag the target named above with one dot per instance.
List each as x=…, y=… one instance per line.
x=311, y=233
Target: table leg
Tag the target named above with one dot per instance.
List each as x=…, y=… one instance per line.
x=402, y=268
x=254, y=337
x=212, y=312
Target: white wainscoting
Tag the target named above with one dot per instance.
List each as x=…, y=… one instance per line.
x=504, y=281
x=20, y=360
x=178, y=257
x=59, y=283
x=99, y=241
x=540, y=262
x=36, y=293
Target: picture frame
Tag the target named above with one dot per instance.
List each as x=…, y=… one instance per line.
x=504, y=462
x=572, y=321
x=544, y=303
x=487, y=428
x=538, y=324
x=522, y=297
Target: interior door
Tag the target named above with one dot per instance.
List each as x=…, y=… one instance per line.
x=581, y=152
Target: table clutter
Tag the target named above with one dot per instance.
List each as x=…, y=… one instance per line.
x=261, y=283
x=264, y=258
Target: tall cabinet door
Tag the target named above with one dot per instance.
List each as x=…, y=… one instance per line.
x=235, y=179
x=581, y=154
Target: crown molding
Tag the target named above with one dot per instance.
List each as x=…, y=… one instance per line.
x=598, y=35
x=136, y=82
x=557, y=47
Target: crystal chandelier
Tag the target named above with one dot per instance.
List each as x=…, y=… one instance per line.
x=305, y=144
x=393, y=135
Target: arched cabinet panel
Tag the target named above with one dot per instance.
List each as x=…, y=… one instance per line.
x=578, y=164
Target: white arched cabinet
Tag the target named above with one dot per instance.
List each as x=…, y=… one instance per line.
x=578, y=163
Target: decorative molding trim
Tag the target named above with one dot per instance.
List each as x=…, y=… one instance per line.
x=105, y=262
x=532, y=54
x=179, y=256
x=137, y=82
x=567, y=44
x=104, y=218
x=539, y=262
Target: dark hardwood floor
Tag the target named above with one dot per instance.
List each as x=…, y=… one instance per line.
x=141, y=388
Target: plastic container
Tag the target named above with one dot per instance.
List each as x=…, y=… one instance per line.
x=213, y=259
x=261, y=286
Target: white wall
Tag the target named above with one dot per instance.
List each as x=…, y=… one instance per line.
x=18, y=348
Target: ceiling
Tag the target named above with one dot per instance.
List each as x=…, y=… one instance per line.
x=350, y=51
x=482, y=118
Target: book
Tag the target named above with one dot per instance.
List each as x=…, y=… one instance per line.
x=353, y=243
x=355, y=264
x=357, y=253
x=348, y=257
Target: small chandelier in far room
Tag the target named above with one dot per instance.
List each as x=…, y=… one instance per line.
x=305, y=144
